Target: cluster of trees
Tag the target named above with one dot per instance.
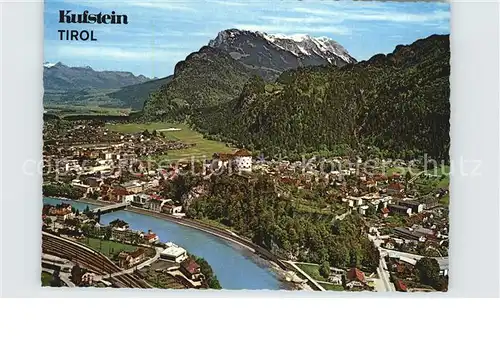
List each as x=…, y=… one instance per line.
x=77, y=273
x=55, y=280
x=118, y=223
x=428, y=273
x=62, y=190
x=254, y=209
x=211, y=280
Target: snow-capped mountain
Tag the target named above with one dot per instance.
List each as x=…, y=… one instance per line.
x=49, y=65
x=275, y=53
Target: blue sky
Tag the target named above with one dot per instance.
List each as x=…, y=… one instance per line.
x=162, y=32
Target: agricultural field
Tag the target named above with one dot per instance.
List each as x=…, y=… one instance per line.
x=75, y=110
x=178, y=132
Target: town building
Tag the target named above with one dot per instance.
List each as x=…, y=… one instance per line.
x=430, y=202
x=395, y=189
x=385, y=212
x=93, y=182
x=133, y=186
x=416, y=207
x=243, y=160
x=363, y=210
x=191, y=269
x=396, y=209
x=408, y=234
x=335, y=279
x=129, y=259
x=118, y=194
x=173, y=253
x=151, y=237
x=88, y=279
x=355, y=279
x=400, y=286
x=72, y=165
x=155, y=203
x=140, y=200
x=171, y=209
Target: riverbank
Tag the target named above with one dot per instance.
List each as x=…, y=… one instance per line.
x=188, y=223
x=279, y=267
x=272, y=262
x=193, y=223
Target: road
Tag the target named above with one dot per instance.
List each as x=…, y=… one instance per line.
x=315, y=283
x=140, y=265
x=443, y=261
x=384, y=276
x=386, y=285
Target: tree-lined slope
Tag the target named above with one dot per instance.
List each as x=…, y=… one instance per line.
x=397, y=102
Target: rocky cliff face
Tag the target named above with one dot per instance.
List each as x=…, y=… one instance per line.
x=274, y=54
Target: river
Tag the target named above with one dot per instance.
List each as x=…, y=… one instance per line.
x=236, y=267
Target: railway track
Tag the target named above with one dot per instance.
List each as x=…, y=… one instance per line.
x=89, y=259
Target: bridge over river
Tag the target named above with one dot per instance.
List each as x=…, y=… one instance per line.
x=110, y=208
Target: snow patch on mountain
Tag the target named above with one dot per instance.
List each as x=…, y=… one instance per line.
x=300, y=45
x=303, y=44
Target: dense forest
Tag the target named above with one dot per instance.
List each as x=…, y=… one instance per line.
x=254, y=209
x=398, y=103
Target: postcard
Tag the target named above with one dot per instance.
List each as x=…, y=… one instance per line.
x=246, y=145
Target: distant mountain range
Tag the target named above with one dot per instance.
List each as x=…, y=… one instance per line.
x=59, y=77
x=247, y=53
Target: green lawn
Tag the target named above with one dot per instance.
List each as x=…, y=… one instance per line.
x=401, y=170
x=445, y=200
x=108, y=248
x=311, y=269
x=332, y=287
x=438, y=181
x=46, y=278
x=428, y=185
x=203, y=147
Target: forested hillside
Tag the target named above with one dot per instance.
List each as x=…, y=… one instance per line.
x=135, y=95
x=206, y=78
x=255, y=209
x=398, y=102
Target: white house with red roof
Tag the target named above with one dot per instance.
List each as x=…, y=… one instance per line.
x=355, y=279
x=151, y=237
